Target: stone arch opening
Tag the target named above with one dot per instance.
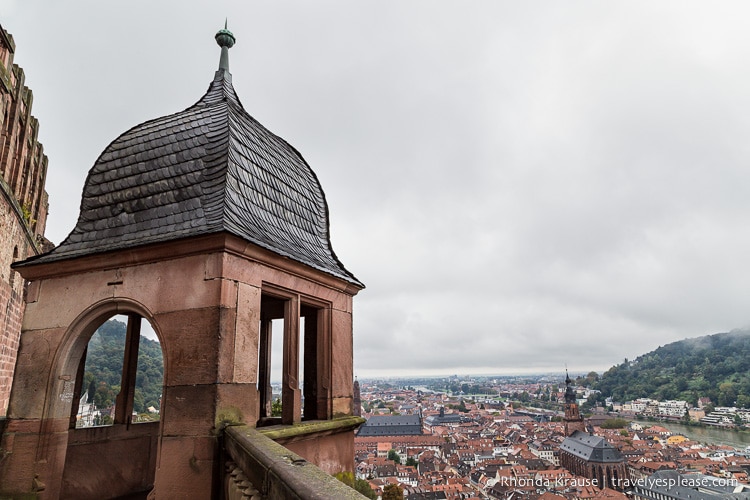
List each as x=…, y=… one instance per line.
x=111, y=449
x=120, y=377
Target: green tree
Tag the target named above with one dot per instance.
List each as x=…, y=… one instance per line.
x=715, y=366
x=743, y=401
x=103, y=367
x=91, y=388
x=364, y=487
x=359, y=485
x=392, y=492
x=276, y=407
x=411, y=462
x=393, y=455
x=614, y=423
x=591, y=378
x=727, y=394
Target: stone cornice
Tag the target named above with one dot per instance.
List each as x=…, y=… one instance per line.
x=206, y=244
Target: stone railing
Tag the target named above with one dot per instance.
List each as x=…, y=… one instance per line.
x=259, y=468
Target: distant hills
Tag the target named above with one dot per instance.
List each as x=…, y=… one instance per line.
x=714, y=366
x=103, y=369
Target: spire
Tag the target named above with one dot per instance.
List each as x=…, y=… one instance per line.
x=570, y=395
x=226, y=40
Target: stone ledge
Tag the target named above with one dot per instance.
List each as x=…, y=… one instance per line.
x=284, y=434
x=277, y=472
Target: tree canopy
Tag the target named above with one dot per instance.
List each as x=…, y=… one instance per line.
x=103, y=370
x=714, y=366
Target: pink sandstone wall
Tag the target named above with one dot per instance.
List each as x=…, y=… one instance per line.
x=204, y=306
x=11, y=297
x=23, y=202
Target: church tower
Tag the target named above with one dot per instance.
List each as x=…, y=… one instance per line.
x=587, y=455
x=357, y=400
x=573, y=419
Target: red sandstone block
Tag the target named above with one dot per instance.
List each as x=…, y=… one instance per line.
x=16, y=475
x=237, y=403
x=186, y=469
x=171, y=285
x=332, y=453
x=243, y=270
x=189, y=410
x=63, y=299
x=226, y=345
x=342, y=406
x=342, y=348
x=229, y=290
x=109, y=468
x=245, y=368
x=23, y=426
x=190, y=340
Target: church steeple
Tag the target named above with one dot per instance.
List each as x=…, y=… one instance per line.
x=573, y=419
x=570, y=395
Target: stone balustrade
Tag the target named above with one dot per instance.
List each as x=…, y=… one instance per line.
x=259, y=468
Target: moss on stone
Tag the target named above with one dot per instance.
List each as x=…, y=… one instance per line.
x=227, y=416
x=282, y=432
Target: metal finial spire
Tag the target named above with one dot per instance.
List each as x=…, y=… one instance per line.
x=225, y=39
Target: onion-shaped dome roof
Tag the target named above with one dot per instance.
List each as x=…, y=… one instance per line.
x=208, y=169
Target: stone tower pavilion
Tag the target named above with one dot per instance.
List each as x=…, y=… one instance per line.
x=212, y=229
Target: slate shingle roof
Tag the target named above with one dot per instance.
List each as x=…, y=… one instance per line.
x=591, y=448
x=398, y=425
x=208, y=169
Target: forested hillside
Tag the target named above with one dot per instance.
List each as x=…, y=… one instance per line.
x=103, y=371
x=714, y=366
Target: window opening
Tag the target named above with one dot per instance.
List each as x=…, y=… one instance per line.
x=290, y=338
x=270, y=354
x=276, y=376
x=121, y=375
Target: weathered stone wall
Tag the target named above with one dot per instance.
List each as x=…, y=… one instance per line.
x=15, y=246
x=23, y=203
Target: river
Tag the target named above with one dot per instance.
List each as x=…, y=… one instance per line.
x=707, y=434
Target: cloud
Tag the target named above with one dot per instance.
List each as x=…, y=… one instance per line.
x=520, y=186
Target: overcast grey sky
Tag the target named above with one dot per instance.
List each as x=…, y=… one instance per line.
x=520, y=185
